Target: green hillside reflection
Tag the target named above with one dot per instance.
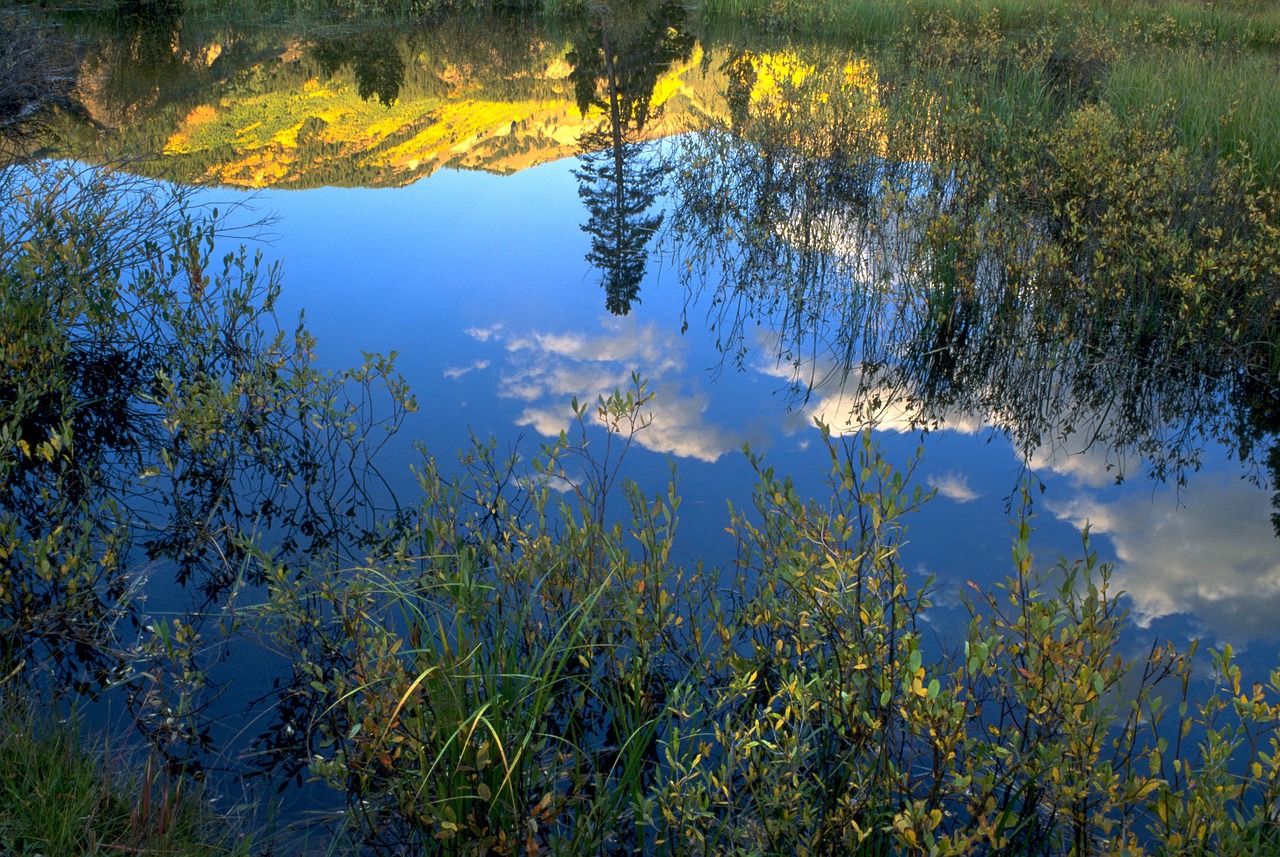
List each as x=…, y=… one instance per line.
x=368, y=108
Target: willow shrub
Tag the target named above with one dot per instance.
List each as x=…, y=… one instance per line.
x=516, y=671
x=150, y=407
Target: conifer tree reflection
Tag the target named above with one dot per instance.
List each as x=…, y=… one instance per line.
x=623, y=48
x=741, y=74
x=148, y=60
x=375, y=60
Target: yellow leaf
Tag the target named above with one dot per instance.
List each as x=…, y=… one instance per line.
x=1147, y=788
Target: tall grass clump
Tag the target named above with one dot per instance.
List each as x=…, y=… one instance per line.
x=859, y=20
x=1247, y=23
x=1227, y=106
x=499, y=677
x=61, y=795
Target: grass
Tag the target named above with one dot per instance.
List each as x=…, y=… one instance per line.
x=61, y=796
x=1231, y=105
x=1254, y=24
x=1247, y=22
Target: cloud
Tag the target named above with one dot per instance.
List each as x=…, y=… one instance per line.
x=1215, y=558
x=679, y=427
x=954, y=486
x=847, y=402
x=1096, y=466
x=545, y=370
x=455, y=372
x=484, y=334
x=1211, y=555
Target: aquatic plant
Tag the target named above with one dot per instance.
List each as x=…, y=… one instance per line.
x=547, y=681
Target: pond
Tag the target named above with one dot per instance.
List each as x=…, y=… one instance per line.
x=1074, y=327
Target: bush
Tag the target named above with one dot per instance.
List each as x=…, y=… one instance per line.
x=517, y=675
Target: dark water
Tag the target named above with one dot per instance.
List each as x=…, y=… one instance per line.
x=507, y=296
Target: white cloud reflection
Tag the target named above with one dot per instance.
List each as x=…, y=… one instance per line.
x=954, y=486
x=1215, y=556
x=849, y=403
x=545, y=370
x=846, y=402
x=484, y=334
x=1210, y=554
x=455, y=372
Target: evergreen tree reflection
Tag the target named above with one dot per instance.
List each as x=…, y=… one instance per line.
x=148, y=61
x=375, y=60
x=617, y=59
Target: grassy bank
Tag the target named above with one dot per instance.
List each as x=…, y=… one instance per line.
x=1244, y=23
x=1210, y=69
x=62, y=795
x=1248, y=23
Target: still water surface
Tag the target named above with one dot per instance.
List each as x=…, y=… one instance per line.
x=479, y=283
x=488, y=287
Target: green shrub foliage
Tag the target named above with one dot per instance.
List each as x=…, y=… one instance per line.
x=513, y=661
x=517, y=674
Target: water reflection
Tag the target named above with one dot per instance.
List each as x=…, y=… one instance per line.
x=151, y=60
x=161, y=437
x=1205, y=552
x=374, y=58
x=876, y=287
x=372, y=106
x=938, y=296
x=1210, y=556
x=618, y=57
x=543, y=370
x=39, y=74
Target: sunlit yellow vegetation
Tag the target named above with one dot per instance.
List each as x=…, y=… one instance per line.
x=200, y=115
x=418, y=134
x=791, y=90
x=776, y=72
x=458, y=126
x=258, y=138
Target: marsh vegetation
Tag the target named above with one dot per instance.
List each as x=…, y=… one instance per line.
x=1027, y=215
